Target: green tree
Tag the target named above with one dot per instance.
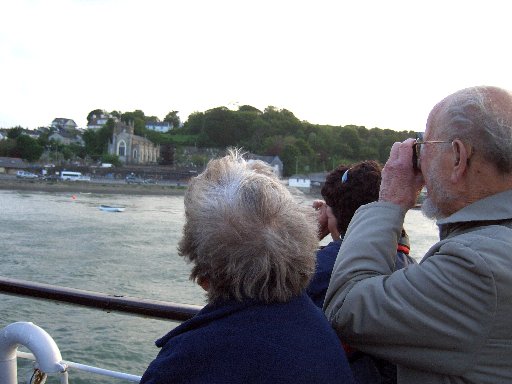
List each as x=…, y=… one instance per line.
x=166, y=154
x=96, y=142
x=7, y=147
x=95, y=112
x=350, y=143
x=249, y=108
x=290, y=157
x=13, y=133
x=111, y=159
x=282, y=122
x=221, y=127
x=194, y=124
x=151, y=119
x=28, y=148
x=138, y=119
x=115, y=114
x=173, y=119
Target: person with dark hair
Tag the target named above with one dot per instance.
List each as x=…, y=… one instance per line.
x=251, y=246
x=344, y=191
x=446, y=319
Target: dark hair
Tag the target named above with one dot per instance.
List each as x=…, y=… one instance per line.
x=361, y=187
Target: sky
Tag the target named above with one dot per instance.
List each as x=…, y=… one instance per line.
x=375, y=63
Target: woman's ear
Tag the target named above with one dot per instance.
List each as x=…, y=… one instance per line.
x=204, y=283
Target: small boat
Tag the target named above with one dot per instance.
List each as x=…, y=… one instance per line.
x=111, y=208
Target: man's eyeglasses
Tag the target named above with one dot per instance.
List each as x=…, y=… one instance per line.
x=416, y=151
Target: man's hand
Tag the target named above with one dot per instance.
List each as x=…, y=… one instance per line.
x=400, y=183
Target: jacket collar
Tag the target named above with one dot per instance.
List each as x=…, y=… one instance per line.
x=496, y=207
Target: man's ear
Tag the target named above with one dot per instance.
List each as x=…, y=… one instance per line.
x=461, y=155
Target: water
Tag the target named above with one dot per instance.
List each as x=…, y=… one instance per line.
x=64, y=239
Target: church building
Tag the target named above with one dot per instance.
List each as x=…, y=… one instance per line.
x=130, y=148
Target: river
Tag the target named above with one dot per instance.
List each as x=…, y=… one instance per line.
x=64, y=239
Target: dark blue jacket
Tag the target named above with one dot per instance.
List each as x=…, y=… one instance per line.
x=252, y=342
x=326, y=257
x=366, y=369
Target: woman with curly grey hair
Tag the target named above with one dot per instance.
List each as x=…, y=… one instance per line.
x=252, y=248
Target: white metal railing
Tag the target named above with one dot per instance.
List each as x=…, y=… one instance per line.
x=88, y=368
x=45, y=353
x=25, y=333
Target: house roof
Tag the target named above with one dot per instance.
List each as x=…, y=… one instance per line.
x=12, y=162
x=66, y=134
x=158, y=124
x=318, y=177
x=272, y=160
x=63, y=121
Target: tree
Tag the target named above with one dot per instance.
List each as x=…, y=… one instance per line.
x=13, y=133
x=173, y=119
x=249, y=108
x=96, y=142
x=7, y=147
x=28, y=148
x=166, y=154
x=116, y=114
x=350, y=142
x=290, y=158
x=138, y=119
x=111, y=159
x=282, y=122
x=95, y=112
x=194, y=124
x=221, y=127
x=151, y=119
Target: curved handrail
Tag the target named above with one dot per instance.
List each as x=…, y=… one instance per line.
x=37, y=340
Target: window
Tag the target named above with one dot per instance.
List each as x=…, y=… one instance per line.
x=121, y=149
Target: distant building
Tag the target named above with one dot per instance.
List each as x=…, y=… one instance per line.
x=318, y=179
x=130, y=148
x=67, y=137
x=10, y=165
x=98, y=121
x=274, y=161
x=159, y=126
x=299, y=181
x=63, y=123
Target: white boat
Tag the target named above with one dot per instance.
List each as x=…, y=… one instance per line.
x=111, y=208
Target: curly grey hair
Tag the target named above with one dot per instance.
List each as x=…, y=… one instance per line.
x=245, y=234
x=482, y=117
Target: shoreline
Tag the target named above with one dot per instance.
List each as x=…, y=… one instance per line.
x=90, y=187
x=111, y=188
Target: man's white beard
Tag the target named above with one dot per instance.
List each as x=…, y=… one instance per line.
x=429, y=208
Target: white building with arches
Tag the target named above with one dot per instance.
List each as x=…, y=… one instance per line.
x=130, y=148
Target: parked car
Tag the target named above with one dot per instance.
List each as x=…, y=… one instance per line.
x=51, y=177
x=132, y=179
x=26, y=175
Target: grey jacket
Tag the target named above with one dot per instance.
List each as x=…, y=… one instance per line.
x=446, y=320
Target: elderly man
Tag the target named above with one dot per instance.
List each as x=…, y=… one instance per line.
x=448, y=319
x=252, y=250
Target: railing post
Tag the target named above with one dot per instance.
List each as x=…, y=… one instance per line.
x=37, y=340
